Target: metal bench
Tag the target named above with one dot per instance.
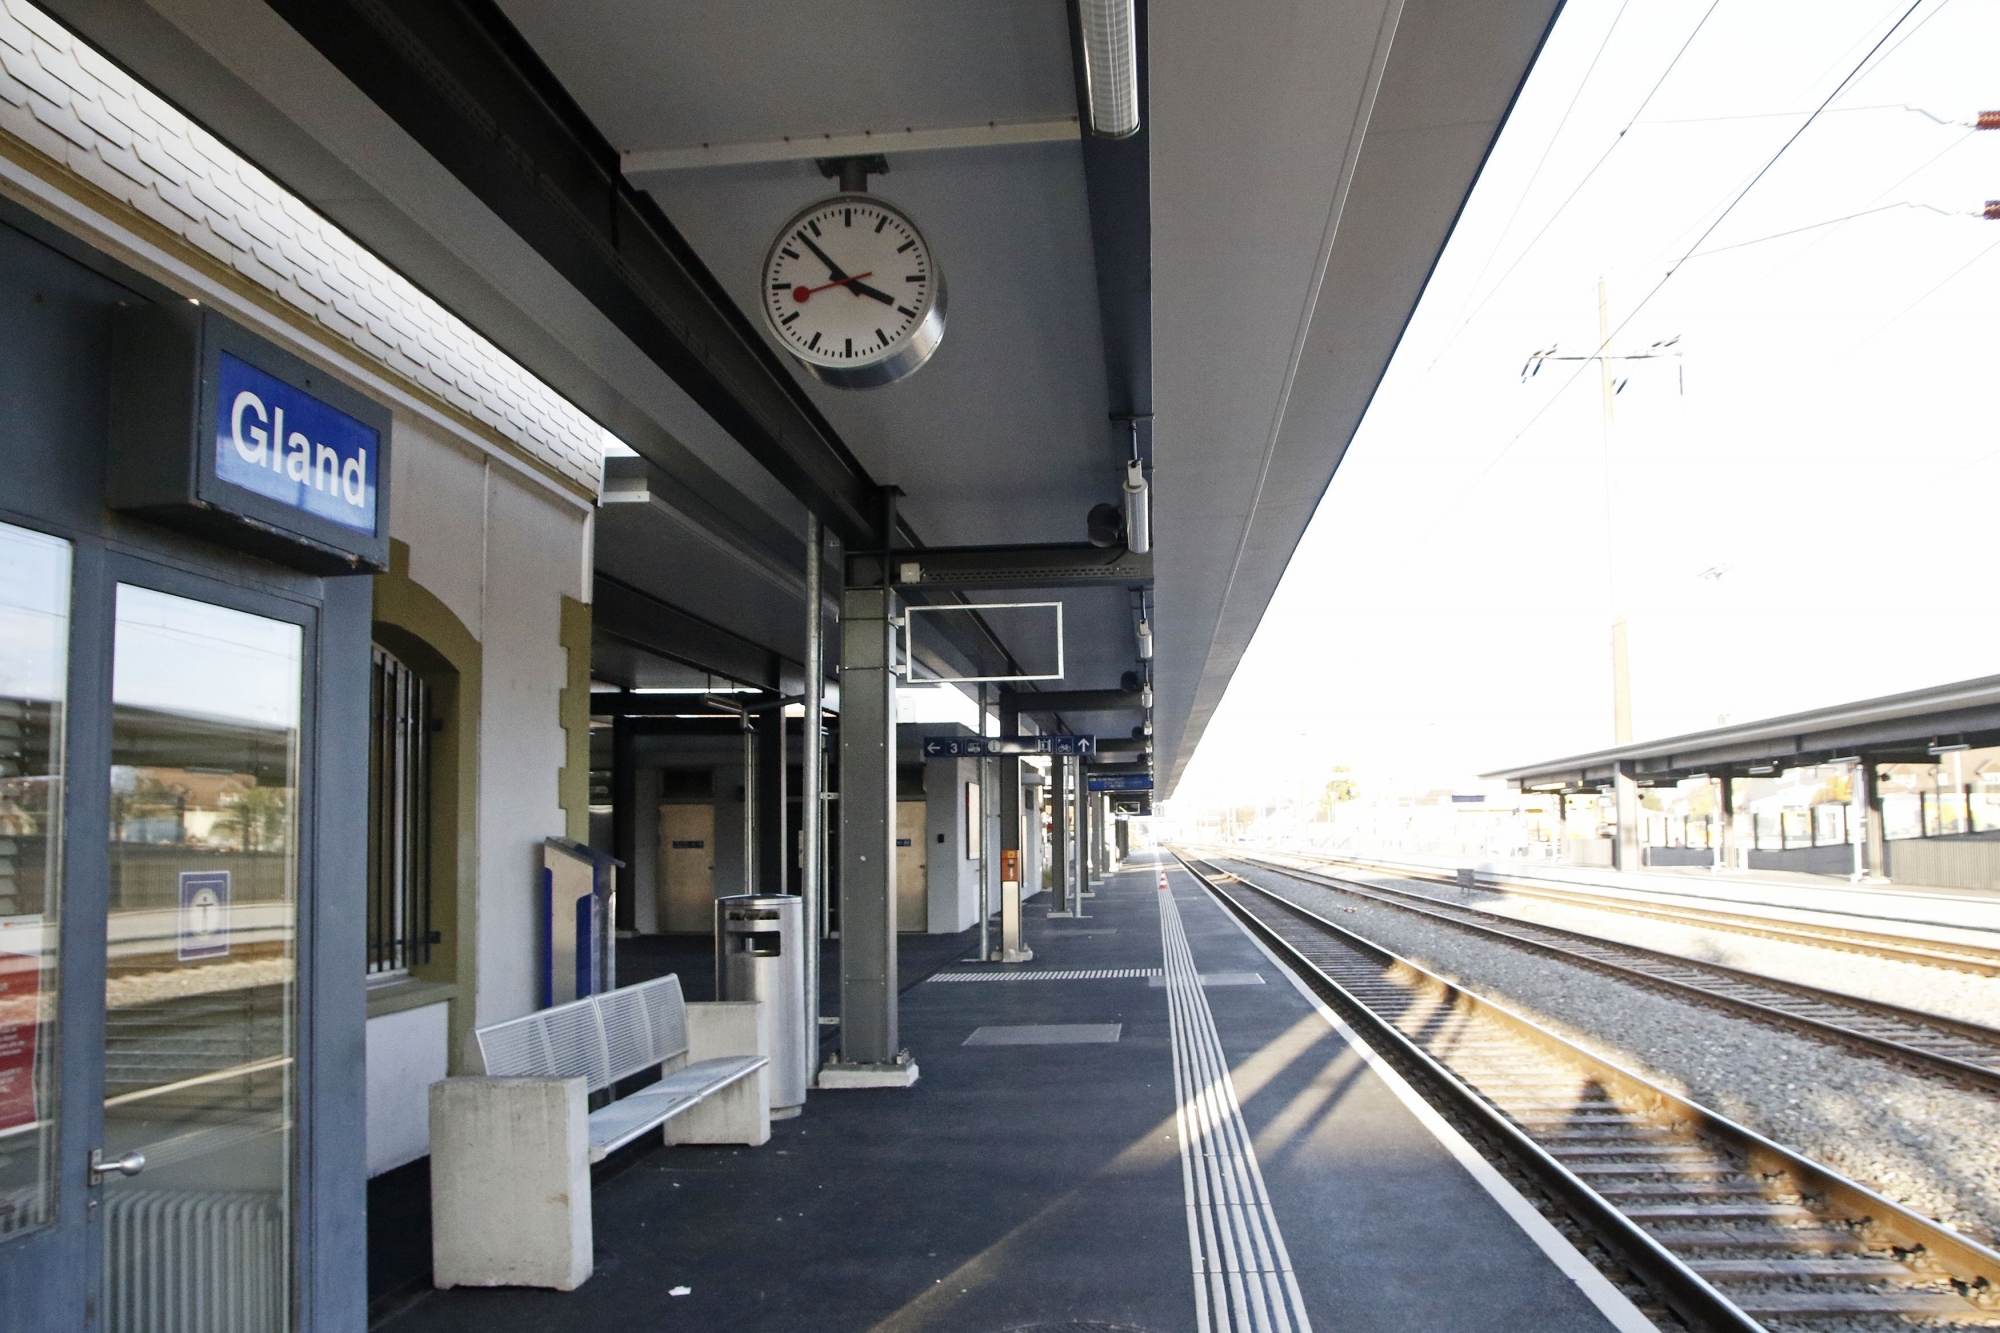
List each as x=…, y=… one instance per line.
x=511, y=1148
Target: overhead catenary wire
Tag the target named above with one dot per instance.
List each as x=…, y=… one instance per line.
x=1570, y=198
x=1870, y=61
x=1667, y=277
x=1554, y=137
x=1834, y=222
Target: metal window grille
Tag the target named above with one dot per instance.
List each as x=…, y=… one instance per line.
x=399, y=817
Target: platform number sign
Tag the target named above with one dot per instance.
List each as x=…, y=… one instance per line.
x=204, y=915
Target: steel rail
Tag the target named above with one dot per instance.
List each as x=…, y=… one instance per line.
x=1881, y=944
x=1974, y=1072
x=1884, y=1224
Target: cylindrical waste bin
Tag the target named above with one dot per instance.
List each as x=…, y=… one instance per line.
x=760, y=955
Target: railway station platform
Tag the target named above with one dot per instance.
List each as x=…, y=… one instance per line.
x=1076, y=1118
x=1963, y=916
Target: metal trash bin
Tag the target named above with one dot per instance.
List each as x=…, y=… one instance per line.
x=760, y=955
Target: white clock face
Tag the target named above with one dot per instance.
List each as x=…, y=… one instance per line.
x=852, y=291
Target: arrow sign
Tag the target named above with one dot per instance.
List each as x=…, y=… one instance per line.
x=966, y=747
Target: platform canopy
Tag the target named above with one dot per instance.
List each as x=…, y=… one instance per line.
x=1912, y=727
x=593, y=184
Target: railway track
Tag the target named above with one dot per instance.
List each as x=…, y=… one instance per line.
x=1880, y=944
x=1966, y=1052
x=1730, y=1230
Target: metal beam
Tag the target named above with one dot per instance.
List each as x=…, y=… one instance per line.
x=806, y=147
x=461, y=82
x=644, y=621
x=1070, y=701
x=1066, y=564
x=684, y=707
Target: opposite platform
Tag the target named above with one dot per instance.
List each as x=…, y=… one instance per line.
x=1098, y=1137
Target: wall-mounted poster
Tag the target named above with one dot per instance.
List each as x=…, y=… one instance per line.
x=20, y=1019
x=204, y=923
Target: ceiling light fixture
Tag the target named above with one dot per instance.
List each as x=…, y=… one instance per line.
x=1138, y=511
x=1110, y=66
x=697, y=689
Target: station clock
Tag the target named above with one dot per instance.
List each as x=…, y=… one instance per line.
x=853, y=292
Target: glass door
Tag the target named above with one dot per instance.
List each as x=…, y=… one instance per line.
x=201, y=968
x=34, y=644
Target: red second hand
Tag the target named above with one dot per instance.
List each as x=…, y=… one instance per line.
x=803, y=294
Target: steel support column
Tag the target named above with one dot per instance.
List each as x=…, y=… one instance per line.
x=773, y=863
x=1083, y=832
x=1868, y=806
x=1009, y=776
x=1625, y=793
x=812, y=809
x=1725, y=824
x=868, y=1031
x=1061, y=837
x=625, y=818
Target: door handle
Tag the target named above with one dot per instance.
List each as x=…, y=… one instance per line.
x=131, y=1164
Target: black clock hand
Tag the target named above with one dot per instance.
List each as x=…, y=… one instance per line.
x=839, y=274
x=833, y=270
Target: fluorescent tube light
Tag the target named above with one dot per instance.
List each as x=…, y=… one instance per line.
x=1138, y=511
x=1110, y=66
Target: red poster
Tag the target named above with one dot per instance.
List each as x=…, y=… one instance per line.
x=20, y=1026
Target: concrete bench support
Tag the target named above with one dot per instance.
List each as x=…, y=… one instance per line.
x=510, y=1183
x=511, y=1150
x=741, y=1112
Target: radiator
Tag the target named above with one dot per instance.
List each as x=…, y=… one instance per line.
x=195, y=1261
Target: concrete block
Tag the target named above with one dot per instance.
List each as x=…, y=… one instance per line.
x=510, y=1183
x=725, y=1027
x=740, y=1113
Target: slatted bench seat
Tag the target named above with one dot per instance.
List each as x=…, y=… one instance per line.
x=511, y=1148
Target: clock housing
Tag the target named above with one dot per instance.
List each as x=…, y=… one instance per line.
x=853, y=292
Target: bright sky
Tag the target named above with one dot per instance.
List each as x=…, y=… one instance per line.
x=1800, y=524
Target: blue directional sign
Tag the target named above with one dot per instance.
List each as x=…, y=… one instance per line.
x=1122, y=782
x=967, y=747
x=282, y=442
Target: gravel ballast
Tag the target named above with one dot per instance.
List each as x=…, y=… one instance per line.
x=1926, y=1143
x=1937, y=990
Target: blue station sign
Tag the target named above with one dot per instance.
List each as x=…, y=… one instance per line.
x=279, y=441
x=1122, y=782
x=968, y=747
x=219, y=432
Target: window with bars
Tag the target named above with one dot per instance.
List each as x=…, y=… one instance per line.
x=399, y=817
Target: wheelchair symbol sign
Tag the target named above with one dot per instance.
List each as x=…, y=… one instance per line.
x=204, y=920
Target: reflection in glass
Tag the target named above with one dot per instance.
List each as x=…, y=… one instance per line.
x=34, y=643
x=199, y=983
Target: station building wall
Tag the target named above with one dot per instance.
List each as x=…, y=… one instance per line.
x=495, y=481
x=485, y=566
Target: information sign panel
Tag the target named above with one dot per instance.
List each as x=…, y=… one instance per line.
x=967, y=747
x=204, y=919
